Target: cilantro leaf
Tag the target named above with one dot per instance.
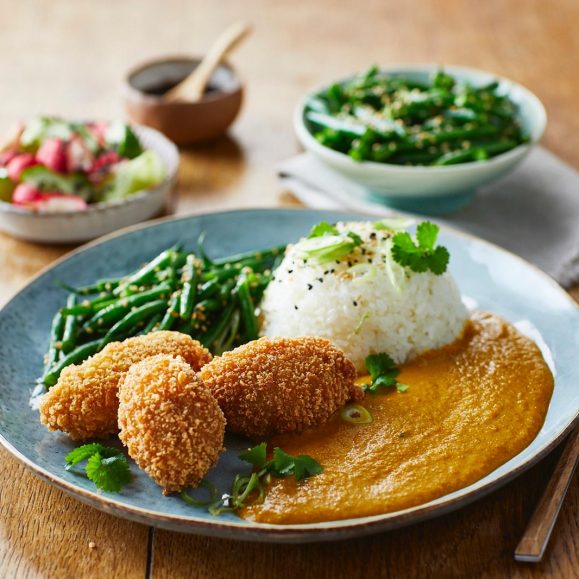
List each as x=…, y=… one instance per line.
x=306, y=466
x=248, y=489
x=107, y=467
x=422, y=255
x=85, y=451
x=322, y=228
x=383, y=373
x=438, y=261
x=256, y=455
x=426, y=234
x=109, y=474
x=302, y=466
x=283, y=463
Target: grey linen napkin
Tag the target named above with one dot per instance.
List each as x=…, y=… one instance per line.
x=533, y=212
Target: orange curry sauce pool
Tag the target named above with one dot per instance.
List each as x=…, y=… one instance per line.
x=470, y=407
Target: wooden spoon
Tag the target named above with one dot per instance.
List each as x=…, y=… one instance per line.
x=193, y=86
x=534, y=541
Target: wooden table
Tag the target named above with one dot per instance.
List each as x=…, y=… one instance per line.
x=68, y=58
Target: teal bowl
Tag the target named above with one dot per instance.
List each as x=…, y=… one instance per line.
x=424, y=189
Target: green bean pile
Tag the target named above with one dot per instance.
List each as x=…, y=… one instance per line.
x=391, y=119
x=213, y=301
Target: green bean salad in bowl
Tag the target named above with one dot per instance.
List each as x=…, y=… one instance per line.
x=421, y=138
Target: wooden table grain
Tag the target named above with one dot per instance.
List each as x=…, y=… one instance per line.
x=62, y=57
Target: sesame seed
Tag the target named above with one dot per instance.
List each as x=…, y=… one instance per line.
x=290, y=270
x=295, y=307
x=321, y=279
x=355, y=303
x=310, y=286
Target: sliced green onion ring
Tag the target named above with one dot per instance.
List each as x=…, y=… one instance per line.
x=213, y=494
x=355, y=414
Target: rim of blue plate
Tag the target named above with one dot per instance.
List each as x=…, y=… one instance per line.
x=325, y=531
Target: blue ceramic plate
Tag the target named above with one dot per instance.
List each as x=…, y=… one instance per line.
x=489, y=278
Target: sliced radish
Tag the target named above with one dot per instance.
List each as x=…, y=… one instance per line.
x=57, y=203
x=18, y=163
x=52, y=154
x=7, y=156
x=25, y=194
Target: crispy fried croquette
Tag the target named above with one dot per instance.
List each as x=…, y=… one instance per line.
x=83, y=403
x=170, y=423
x=279, y=385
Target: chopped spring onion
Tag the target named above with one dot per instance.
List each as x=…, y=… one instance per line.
x=355, y=414
x=327, y=248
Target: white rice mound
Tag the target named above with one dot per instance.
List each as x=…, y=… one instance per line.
x=365, y=304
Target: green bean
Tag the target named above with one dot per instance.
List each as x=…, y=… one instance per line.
x=172, y=312
x=189, y=289
x=227, y=340
x=78, y=355
x=77, y=310
x=210, y=305
x=126, y=324
x=349, y=127
x=209, y=289
x=152, y=323
x=247, y=310
x=219, y=326
x=70, y=327
x=260, y=255
x=55, y=343
x=148, y=271
x=121, y=306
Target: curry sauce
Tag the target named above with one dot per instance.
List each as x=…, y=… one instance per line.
x=469, y=408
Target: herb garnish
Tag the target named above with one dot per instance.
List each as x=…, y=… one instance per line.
x=251, y=489
x=106, y=467
x=420, y=256
x=323, y=228
x=383, y=372
x=325, y=243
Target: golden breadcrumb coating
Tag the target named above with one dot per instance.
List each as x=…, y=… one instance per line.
x=279, y=385
x=83, y=403
x=169, y=422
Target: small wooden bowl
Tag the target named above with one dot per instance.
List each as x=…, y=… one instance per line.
x=184, y=122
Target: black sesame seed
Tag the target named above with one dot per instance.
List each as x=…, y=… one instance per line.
x=290, y=270
x=310, y=286
x=332, y=271
x=350, y=264
x=355, y=303
x=327, y=272
x=321, y=279
x=295, y=307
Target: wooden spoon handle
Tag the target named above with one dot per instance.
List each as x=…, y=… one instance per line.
x=193, y=87
x=534, y=541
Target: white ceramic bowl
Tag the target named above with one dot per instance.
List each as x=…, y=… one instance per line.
x=100, y=218
x=423, y=189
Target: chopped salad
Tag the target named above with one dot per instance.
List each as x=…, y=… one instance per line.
x=54, y=165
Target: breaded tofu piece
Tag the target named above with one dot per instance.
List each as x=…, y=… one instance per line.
x=280, y=385
x=170, y=423
x=83, y=403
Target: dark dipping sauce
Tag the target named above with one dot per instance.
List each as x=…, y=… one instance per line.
x=163, y=87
